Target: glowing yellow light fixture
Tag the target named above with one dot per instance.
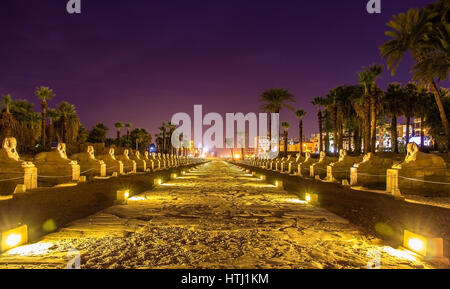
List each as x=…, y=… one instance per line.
x=424, y=246
x=122, y=195
x=14, y=237
x=312, y=198
x=279, y=184
x=237, y=156
x=262, y=177
x=157, y=181
x=173, y=176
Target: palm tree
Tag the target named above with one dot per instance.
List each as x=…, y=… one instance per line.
x=425, y=33
x=53, y=117
x=163, y=130
x=69, y=122
x=410, y=98
x=274, y=99
x=367, y=78
x=118, y=126
x=28, y=125
x=319, y=102
x=7, y=121
x=285, y=126
x=424, y=102
x=332, y=106
x=300, y=114
x=128, y=126
x=393, y=102
x=172, y=129
x=44, y=93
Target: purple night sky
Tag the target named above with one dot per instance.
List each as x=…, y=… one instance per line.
x=142, y=61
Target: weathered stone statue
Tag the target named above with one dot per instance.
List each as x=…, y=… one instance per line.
x=320, y=168
x=415, y=159
x=149, y=161
x=285, y=163
x=278, y=163
x=371, y=172
x=162, y=161
x=113, y=165
x=129, y=166
x=293, y=164
x=55, y=167
x=89, y=164
x=141, y=164
x=304, y=167
x=340, y=170
x=419, y=172
x=13, y=170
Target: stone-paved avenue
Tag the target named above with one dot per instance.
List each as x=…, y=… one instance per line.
x=214, y=217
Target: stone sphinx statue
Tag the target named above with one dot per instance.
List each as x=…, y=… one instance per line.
x=148, y=161
x=129, y=165
x=416, y=159
x=8, y=152
x=304, y=166
x=419, y=172
x=15, y=170
x=284, y=164
x=56, y=167
x=320, y=168
x=113, y=165
x=162, y=161
x=371, y=172
x=292, y=164
x=141, y=164
x=89, y=164
x=340, y=170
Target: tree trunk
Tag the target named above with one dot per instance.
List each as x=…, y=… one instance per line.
x=335, y=129
x=444, y=118
x=422, y=134
x=300, y=128
x=319, y=117
x=44, y=117
x=366, y=125
x=394, y=138
x=327, y=142
x=285, y=143
x=408, y=123
x=341, y=136
x=164, y=143
x=373, y=119
x=118, y=138
x=269, y=133
x=64, y=131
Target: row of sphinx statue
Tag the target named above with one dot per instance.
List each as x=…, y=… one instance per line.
x=56, y=167
x=415, y=172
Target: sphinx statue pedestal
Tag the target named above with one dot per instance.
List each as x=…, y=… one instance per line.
x=55, y=168
x=14, y=171
x=113, y=165
x=89, y=164
x=371, y=172
x=340, y=170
